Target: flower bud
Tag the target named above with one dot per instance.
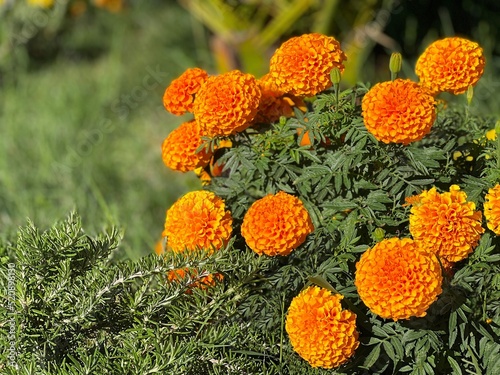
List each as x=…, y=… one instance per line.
x=378, y=234
x=335, y=76
x=395, y=63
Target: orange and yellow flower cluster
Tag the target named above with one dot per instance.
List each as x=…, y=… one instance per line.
x=228, y=103
x=402, y=111
x=397, y=278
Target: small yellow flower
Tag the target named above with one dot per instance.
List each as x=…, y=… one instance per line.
x=41, y=3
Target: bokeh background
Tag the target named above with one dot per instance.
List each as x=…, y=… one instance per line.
x=81, y=85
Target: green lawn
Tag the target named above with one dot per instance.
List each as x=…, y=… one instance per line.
x=86, y=134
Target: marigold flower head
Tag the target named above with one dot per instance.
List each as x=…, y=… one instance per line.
x=179, y=148
x=450, y=65
x=447, y=224
x=276, y=224
x=397, y=279
x=398, y=111
x=227, y=103
x=492, y=209
x=301, y=66
x=319, y=330
x=179, y=95
x=198, y=220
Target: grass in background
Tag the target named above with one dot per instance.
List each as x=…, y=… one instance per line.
x=86, y=134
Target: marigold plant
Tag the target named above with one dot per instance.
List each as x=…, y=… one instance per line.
x=398, y=111
x=199, y=219
x=180, y=148
x=450, y=65
x=446, y=223
x=276, y=224
x=179, y=95
x=492, y=209
x=227, y=103
x=319, y=329
x=398, y=279
x=301, y=66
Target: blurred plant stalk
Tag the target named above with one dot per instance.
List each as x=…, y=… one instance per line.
x=243, y=36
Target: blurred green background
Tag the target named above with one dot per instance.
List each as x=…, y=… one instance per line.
x=81, y=85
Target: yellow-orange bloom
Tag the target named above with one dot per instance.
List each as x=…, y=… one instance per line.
x=276, y=224
x=397, y=279
x=451, y=65
x=399, y=111
x=198, y=220
x=319, y=330
x=447, y=224
x=301, y=66
x=179, y=95
x=227, y=103
x=492, y=209
x=179, y=148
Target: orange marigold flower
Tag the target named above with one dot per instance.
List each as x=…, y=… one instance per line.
x=451, y=65
x=276, y=224
x=492, y=209
x=227, y=103
x=398, y=111
x=301, y=66
x=398, y=279
x=319, y=330
x=179, y=96
x=446, y=223
x=180, y=274
x=179, y=148
x=198, y=220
